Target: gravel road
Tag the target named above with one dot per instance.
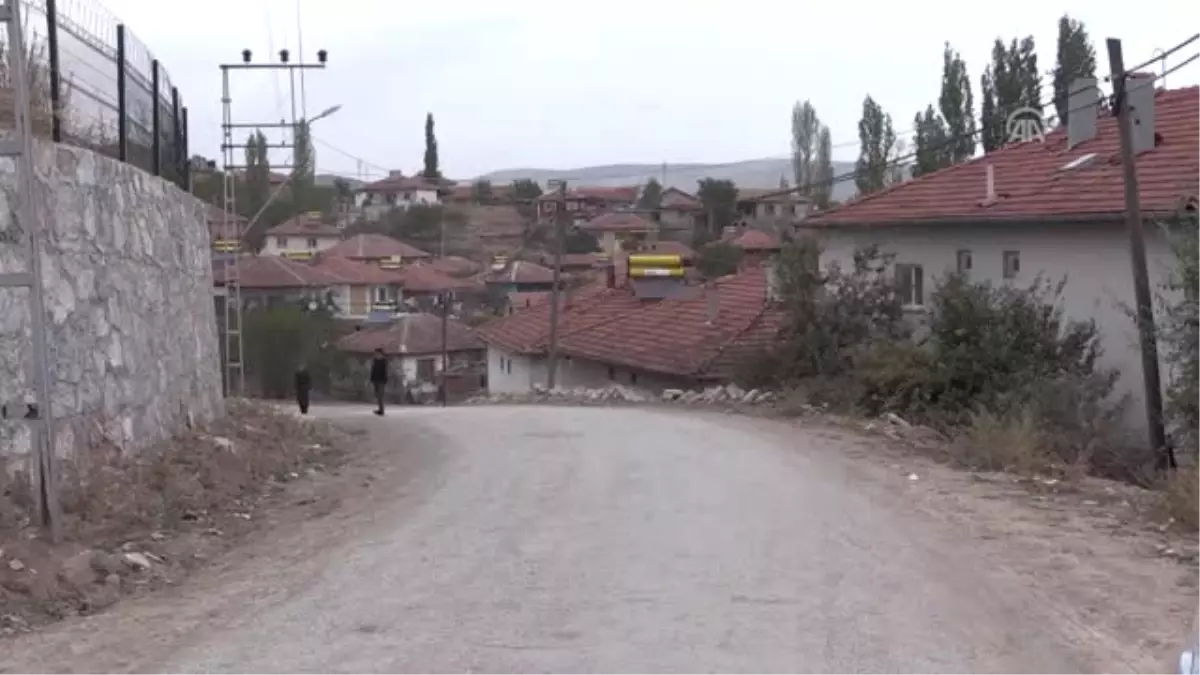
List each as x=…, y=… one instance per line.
x=600, y=539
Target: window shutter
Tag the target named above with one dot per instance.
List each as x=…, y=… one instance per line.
x=918, y=285
x=904, y=282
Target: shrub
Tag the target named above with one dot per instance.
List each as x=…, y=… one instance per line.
x=1179, y=332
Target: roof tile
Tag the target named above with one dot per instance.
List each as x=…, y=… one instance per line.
x=412, y=334
x=1031, y=182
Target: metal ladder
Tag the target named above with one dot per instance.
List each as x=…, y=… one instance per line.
x=27, y=227
x=235, y=373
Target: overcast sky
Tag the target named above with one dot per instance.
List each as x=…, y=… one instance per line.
x=564, y=85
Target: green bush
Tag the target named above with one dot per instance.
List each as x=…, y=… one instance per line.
x=1179, y=332
x=279, y=338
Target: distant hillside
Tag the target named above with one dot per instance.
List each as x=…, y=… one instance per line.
x=755, y=173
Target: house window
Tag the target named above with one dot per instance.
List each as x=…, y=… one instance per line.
x=633, y=378
x=391, y=199
x=425, y=369
x=964, y=261
x=910, y=284
x=381, y=295
x=508, y=367
x=612, y=373
x=312, y=242
x=281, y=242
x=1012, y=264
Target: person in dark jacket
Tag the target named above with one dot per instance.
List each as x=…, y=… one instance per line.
x=379, y=378
x=303, y=387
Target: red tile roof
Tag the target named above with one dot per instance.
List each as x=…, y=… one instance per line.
x=620, y=221
x=674, y=198
x=676, y=337
x=374, y=246
x=304, y=225
x=453, y=265
x=399, y=183
x=356, y=272
x=1031, y=183
x=604, y=194
x=422, y=278
x=526, y=299
x=274, y=272
x=520, y=272
x=413, y=335
x=672, y=248
x=757, y=240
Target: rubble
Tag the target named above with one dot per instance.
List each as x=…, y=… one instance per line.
x=729, y=394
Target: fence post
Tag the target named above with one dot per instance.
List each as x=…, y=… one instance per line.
x=55, y=73
x=156, y=122
x=175, y=132
x=122, y=123
x=186, y=161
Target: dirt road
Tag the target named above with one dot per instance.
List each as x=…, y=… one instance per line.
x=622, y=540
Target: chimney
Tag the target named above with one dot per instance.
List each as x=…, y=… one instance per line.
x=991, y=185
x=610, y=275
x=712, y=303
x=1139, y=91
x=772, y=272
x=1083, y=104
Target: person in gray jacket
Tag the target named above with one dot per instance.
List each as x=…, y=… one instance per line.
x=379, y=378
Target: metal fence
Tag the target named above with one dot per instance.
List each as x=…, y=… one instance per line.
x=94, y=84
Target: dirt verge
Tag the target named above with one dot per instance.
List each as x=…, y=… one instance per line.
x=132, y=524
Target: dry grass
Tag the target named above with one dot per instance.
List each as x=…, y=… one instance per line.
x=993, y=443
x=1181, y=497
x=179, y=501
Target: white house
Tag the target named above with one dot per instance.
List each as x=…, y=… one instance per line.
x=375, y=200
x=654, y=337
x=1054, y=208
x=301, y=237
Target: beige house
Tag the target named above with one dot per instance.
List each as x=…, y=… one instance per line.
x=301, y=237
x=1053, y=208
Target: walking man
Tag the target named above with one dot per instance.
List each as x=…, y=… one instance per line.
x=303, y=387
x=379, y=378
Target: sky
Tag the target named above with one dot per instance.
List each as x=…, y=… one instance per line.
x=566, y=85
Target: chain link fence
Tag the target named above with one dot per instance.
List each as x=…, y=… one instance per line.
x=94, y=84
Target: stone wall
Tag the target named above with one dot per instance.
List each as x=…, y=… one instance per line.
x=128, y=290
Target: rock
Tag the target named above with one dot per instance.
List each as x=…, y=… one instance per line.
x=734, y=392
x=16, y=565
x=672, y=394
x=103, y=596
x=79, y=571
x=897, y=420
x=137, y=561
x=751, y=396
x=223, y=443
x=112, y=580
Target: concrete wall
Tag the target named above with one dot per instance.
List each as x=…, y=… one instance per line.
x=1093, y=258
x=132, y=343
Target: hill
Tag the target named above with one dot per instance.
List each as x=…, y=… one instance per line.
x=754, y=173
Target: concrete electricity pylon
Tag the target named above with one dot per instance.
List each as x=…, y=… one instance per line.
x=233, y=372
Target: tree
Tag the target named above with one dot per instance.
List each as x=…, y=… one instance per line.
x=651, y=195
x=579, y=240
x=806, y=132
x=957, y=105
x=877, y=140
x=304, y=162
x=258, y=174
x=930, y=141
x=525, y=189
x=481, y=191
x=343, y=194
x=718, y=259
x=1076, y=58
x=822, y=190
x=431, y=171
x=719, y=199
x=1011, y=82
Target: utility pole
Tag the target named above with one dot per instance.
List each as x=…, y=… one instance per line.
x=560, y=225
x=233, y=375
x=445, y=346
x=1137, y=249
x=28, y=226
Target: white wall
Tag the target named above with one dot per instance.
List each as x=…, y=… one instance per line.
x=516, y=373
x=280, y=245
x=1094, y=259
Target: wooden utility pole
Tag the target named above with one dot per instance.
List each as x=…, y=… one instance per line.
x=445, y=347
x=560, y=226
x=1165, y=458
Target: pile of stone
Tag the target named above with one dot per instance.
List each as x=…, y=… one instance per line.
x=616, y=393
